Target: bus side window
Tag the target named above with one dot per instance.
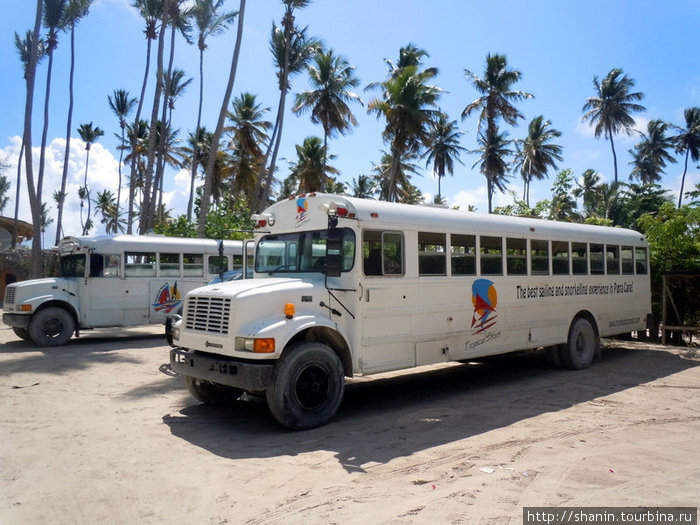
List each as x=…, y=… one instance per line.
x=491, y=249
x=463, y=254
x=539, y=257
x=516, y=256
x=111, y=266
x=96, y=265
x=140, y=264
x=382, y=253
x=216, y=264
x=627, y=258
x=392, y=253
x=192, y=265
x=640, y=260
x=431, y=254
x=612, y=257
x=597, y=260
x=169, y=264
x=560, y=258
x=579, y=258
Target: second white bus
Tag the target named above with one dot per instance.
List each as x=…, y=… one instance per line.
x=345, y=287
x=115, y=280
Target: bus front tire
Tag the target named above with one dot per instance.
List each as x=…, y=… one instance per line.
x=22, y=333
x=211, y=393
x=51, y=327
x=581, y=347
x=308, y=387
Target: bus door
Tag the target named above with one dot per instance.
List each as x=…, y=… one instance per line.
x=104, y=300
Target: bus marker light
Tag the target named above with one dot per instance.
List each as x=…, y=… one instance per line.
x=289, y=310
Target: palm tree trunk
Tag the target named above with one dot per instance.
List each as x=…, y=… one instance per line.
x=34, y=203
x=45, y=131
x=685, y=170
x=209, y=172
x=69, y=124
x=134, y=162
x=145, y=225
x=19, y=183
x=119, y=187
x=195, y=149
x=612, y=145
x=255, y=205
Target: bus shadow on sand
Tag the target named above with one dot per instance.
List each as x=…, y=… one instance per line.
x=383, y=418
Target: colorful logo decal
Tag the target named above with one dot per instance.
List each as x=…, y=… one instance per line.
x=302, y=211
x=168, y=298
x=484, y=299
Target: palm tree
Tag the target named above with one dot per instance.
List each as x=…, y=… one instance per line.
x=106, y=205
x=248, y=132
x=493, y=150
x=331, y=77
x=402, y=189
x=497, y=96
x=363, y=187
x=136, y=146
x=651, y=153
x=536, y=154
x=443, y=148
x=310, y=170
x=407, y=105
x=210, y=21
x=76, y=10
x=121, y=105
x=89, y=134
x=24, y=49
x=588, y=189
x=688, y=141
x=611, y=108
x=34, y=202
x=216, y=137
x=54, y=18
x=291, y=50
x=150, y=11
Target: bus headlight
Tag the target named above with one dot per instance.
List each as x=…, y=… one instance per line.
x=258, y=345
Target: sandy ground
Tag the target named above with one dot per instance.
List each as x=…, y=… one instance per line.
x=99, y=432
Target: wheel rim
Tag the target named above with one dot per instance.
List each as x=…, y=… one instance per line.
x=582, y=344
x=311, y=386
x=53, y=328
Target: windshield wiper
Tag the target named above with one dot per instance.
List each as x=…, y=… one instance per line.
x=280, y=267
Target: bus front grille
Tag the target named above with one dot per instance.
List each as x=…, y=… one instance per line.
x=208, y=314
x=10, y=295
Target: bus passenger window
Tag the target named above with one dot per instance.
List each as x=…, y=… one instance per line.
x=560, y=258
x=539, y=257
x=640, y=260
x=431, y=254
x=169, y=264
x=627, y=258
x=215, y=264
x=612, y=258
x=491, y=249
x=111, y=265
x=597, y=261
x=463, y=254
x=516, y=258
x=382, y=253
x=579, y=258
x=139, y=264
x=392, y=253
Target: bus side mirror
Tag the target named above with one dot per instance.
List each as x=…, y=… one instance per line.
x=334, y=252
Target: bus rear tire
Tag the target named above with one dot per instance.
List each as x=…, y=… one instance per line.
x=22, y=333
x=51, y=327
x=308, y=387
x=211, y=393
x=581, y=346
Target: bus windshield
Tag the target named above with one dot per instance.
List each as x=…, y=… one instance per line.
x=300, y=252
x=73, y=265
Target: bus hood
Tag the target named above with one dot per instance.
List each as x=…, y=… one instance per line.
x=36, y=289
x=247, y=287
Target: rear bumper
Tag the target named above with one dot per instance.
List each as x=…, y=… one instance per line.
x=16, y=320
x=237, y=373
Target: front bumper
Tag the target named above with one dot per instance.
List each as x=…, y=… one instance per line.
x=16, y=320
x=223, y=370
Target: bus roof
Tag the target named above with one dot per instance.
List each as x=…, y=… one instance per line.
x=438, y=219
x=112, y=244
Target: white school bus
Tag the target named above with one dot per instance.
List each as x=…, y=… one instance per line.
x=346, y=287
x=114, y=280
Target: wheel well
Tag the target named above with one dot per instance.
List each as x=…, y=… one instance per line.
x=330, y=338
x=60, y=304
x=588, y=316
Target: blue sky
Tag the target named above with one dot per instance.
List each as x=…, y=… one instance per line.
x=559, y=46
